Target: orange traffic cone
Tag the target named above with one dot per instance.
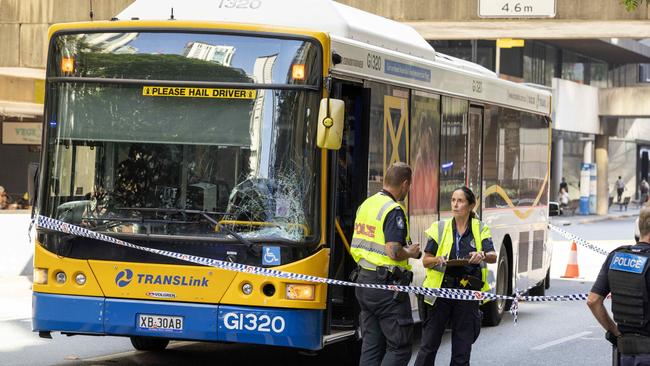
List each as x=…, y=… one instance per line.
x=572, y=265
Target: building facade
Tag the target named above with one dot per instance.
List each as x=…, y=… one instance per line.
x=588, y=53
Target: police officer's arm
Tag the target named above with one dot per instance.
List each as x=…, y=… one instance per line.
x=430, y=260
x=595, y=303
x=395, y=234
x=478, y=257
x=397, y=252
x=487, y=254
x=599, y=290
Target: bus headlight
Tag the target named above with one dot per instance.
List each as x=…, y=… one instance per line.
x=40, y=276
x=300, y=292
x=247, y=288
x=61, y=277
x=80, y=279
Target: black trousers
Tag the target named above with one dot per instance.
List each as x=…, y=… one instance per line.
x=386, y=325
x=465, y=319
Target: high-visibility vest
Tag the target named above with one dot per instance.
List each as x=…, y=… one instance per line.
x=445, y=231
x=368, y=242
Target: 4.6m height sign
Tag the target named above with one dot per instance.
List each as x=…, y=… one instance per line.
x=516, y=8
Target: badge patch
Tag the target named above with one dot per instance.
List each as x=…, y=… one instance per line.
x=400, y=222
x=627, y=262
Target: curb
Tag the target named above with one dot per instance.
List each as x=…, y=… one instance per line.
x=588, y=220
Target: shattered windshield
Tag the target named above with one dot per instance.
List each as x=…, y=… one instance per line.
x=123, y=161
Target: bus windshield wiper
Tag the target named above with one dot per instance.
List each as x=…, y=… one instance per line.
x=252, y=248
x=206, y=214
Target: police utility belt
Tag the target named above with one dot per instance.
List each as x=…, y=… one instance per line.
x=465, y=282
x=388, y=276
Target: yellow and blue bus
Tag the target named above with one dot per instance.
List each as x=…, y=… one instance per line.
x=250, y=131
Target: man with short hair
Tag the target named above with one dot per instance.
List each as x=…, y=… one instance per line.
x=626, y=275
x=620, y=188
x=381, y=246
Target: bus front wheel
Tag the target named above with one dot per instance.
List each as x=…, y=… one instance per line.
x=493, y=310
x=149, y=343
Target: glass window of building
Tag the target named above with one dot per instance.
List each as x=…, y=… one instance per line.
x=463, y=49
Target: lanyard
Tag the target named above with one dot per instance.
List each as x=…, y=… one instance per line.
x=457, y=243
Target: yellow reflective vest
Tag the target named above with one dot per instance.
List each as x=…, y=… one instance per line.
x=445, y=232
x=368, y=242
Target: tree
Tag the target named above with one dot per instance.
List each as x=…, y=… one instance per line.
x=631, y=5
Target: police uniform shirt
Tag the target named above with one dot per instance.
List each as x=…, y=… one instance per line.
x=464, y=248
x=601, y=286
x=395, y=223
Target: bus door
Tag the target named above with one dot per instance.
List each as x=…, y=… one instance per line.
x=474, y=153
x=349, y=167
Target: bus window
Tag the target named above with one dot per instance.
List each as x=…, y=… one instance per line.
x=388, y=140
x=474, y=149
x=425, y=144
x=453, y=149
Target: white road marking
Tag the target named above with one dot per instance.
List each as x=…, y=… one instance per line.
x=560, y=341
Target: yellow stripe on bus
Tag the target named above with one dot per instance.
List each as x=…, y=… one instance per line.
x=172, y=91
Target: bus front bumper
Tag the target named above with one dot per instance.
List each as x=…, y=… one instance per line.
x=202, y=322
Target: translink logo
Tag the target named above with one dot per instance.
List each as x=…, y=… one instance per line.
x=123, y=278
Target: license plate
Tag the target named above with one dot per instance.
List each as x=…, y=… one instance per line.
x=160, y=322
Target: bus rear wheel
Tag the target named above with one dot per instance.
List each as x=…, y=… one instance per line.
x=493, y=310
x=149, y=343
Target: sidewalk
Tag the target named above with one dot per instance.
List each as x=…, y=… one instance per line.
x=613, y=214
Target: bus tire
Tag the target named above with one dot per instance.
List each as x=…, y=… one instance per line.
x=493, y=310
x=149, y=343
x=538, y=290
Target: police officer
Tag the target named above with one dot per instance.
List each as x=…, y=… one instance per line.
x=626, y=275
x=381, y=247
x=462, y=237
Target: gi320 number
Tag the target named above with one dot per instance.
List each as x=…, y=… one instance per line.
x=254, y=323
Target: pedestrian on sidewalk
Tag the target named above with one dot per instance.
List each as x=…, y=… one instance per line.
x=564, y=185
x=644, y=188
x=620, y=187
x=563, y=198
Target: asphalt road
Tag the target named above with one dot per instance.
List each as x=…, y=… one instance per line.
x=557, y=333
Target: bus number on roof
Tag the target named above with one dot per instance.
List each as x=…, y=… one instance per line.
x=240, y=4
x=374, y=62
x=477, y=86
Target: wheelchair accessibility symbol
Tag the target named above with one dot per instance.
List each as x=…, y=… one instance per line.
x=271, y=256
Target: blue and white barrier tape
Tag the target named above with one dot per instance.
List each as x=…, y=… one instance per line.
x=578, y=240
x=456, y=294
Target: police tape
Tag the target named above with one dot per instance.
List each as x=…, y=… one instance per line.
x=578, y=240
x=447, y=293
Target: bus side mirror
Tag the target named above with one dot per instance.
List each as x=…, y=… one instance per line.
x=330, y=124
